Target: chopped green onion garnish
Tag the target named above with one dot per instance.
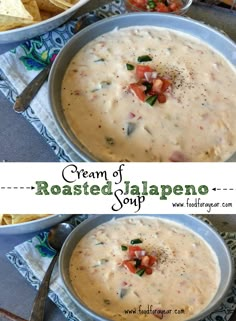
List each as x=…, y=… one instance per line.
x=151, y=100
x=96, y=265
x=129, y=67
x=123, y=292
x=136, y=241
x=144, y=58
x=124, y=248
x=105, y=84
x=140, y=272
x=99, y=243
x=151, y=4
x=130, y=128
x=99, y=60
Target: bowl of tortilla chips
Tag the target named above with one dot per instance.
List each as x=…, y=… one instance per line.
x=28, y=223
x=24, y=19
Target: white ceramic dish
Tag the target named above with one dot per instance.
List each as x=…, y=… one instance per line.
x=28, y=32
x=211, y=237
x=33, y=226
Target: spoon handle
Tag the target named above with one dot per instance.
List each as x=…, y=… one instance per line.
x=24, y=99
x=37, y=313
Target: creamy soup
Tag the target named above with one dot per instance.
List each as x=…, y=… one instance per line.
x=197, y=121
x=169, y=272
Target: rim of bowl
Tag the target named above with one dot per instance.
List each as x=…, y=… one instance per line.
x=80, y=150
x=205, y=312
x=44, y=22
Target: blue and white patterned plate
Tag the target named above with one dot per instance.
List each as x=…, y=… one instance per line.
x=35, y=54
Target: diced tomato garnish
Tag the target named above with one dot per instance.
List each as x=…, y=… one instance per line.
x=138, y=91
x=152, y=260
x=132, y=250
x=161, y=98
x=139, y=3
x=148, y=270
x=129, y=265
x=151, y=93
x=145, y=260
x=173, y=7
x=140, y=71
x=139, y=260
x=161, y=7
x=166, y=84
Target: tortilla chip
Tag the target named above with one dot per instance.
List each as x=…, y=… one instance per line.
x=8, y=219
x=21, y=218
x=46, y=15
x=65, y=3
x=46, y=5
x=14, y=8
x=8, y=22
x=32, y=7
x=59, y=5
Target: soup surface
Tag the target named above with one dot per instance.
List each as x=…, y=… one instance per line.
x=110, y=118
x=171, y=274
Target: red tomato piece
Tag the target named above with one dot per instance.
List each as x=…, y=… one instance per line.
x=142, y=267
x=161, y=98
x=148, y=270
x=132, y=250
x=139, y=3
x=173, y=7
x=138, y=91
x=161, y=7
x=152, y=260
x=129, y=265
x=140, y=71
x=166, y=84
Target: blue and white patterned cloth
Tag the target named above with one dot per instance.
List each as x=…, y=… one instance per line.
x=19, y=66
x=33, y=257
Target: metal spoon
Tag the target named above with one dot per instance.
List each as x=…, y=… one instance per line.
x=56, y=238
x=23, y=100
